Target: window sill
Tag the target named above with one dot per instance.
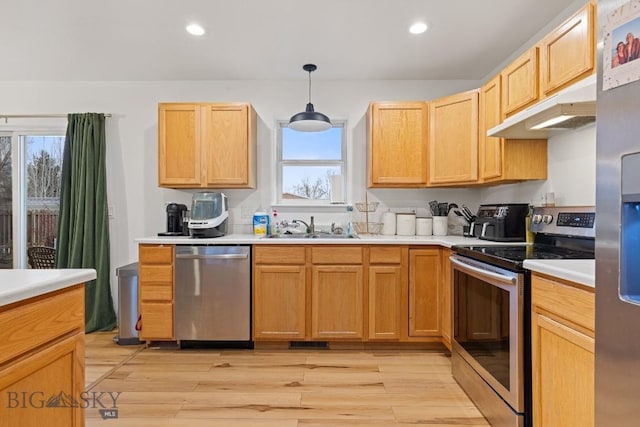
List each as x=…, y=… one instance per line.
x=294, y=207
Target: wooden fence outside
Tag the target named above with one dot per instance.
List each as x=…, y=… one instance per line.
x=42, y=227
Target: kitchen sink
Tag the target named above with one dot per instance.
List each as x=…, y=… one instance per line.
x=310, y=236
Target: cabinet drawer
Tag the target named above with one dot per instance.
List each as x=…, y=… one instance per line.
x=156, y=292
x=157, y=321
x=273, y=254
x=37, y=321
x=156, y=254
x=385, y=255
x=336, y=255
x=573, y=304
x=156, y=274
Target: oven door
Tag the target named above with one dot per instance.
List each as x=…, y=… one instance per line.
x=488, y=325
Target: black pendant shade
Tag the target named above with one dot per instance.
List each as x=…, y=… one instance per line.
x=310, y=120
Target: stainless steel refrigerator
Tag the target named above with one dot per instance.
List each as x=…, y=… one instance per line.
x=617, y=358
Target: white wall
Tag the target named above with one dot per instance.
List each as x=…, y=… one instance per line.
x=571, y=173
x=139, y=205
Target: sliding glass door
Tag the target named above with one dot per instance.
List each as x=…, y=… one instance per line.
x=30, y=167
x=6, y=203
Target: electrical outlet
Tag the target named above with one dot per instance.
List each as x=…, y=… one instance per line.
x=246, y=212
x=110, y=211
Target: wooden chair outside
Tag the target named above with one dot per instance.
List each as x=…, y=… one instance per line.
x=41, y=257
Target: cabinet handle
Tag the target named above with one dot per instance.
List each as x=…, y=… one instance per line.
x=223, y=256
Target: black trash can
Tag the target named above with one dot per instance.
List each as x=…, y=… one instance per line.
x=127, y=304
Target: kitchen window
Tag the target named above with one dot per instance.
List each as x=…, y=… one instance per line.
x=30, y=171
x=307, y=161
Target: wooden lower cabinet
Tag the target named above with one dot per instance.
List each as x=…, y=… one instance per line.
x=387, y=293
x=156, y=293
x=336, y=302
x=377, y=293
x=562, y=338
x=279, y=293
x=42, y=360
x=425, y=292
x=279, y=302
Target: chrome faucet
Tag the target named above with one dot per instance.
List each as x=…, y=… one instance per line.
x=311, y=228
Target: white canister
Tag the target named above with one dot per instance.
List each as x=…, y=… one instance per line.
x=388, y=223
x=440, y=225
x=424, y=226
x=406, y=224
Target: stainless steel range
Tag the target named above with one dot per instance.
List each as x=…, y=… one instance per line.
x=491, y=355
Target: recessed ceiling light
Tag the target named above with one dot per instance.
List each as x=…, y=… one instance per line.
x=418, y=28
x=195, y=29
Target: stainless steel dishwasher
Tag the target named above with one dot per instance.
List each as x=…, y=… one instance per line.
x=213, y=293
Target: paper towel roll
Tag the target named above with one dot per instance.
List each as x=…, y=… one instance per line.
x=337, y=192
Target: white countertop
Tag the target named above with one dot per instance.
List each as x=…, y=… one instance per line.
x=20, y=284
x=250, y=239
x=581, y=271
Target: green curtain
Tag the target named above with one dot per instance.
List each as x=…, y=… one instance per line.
x=83, y=223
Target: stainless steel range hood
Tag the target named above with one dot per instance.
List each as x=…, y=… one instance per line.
x=570, y=108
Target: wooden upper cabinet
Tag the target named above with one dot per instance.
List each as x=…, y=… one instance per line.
x=520, y=82
x=567, y=54
x=490, y=148
x=453, y=139
x=206, y=145
x=230, y=149
x=503, y=160
x=179, y=145
x=397, y=144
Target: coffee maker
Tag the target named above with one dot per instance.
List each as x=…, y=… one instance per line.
x=176, y=225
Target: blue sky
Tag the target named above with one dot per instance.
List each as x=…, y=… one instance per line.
x=309, y=146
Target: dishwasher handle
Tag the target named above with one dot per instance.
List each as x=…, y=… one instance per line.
x=204, y=256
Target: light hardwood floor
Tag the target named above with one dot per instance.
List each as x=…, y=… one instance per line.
x=275, y=388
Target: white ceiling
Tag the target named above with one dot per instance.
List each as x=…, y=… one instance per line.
x=108, y=40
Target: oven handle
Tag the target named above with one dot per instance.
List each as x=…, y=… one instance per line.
x=463, y=266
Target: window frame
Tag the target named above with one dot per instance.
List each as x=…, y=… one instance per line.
x=342, y=163
x=17, y=133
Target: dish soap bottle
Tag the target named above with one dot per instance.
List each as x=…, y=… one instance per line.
x=275, y=226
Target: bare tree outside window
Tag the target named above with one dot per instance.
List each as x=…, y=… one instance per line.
x=318, y=190
x=307, y=161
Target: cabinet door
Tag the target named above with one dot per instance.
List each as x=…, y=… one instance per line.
x=44, y=377
x=397, y=144
x=179, y=145
x=279, y=302
x=424, y=292
x=228, y=141
x=157, y=320
x=385, y=302
x=336, y=302
x=490, y=115
x=453, y=139
x=563, y=374
x=567, y=54
x=520, y=82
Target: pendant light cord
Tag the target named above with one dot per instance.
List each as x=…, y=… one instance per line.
x=309, y=86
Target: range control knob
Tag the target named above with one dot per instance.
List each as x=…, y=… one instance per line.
x=547, y=219
x=537, y=219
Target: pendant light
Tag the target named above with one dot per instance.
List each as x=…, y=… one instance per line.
x=309, y=120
